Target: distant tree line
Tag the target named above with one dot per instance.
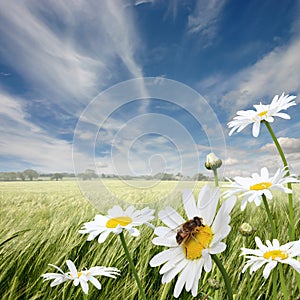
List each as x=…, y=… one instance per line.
x=90, y=174
x=160, y=176
x=30, y=175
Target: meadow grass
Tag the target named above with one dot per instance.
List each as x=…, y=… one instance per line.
x=40, y=222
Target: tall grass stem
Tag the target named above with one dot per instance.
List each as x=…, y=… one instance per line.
x=131, y=264
x=282, y=282
x=274, y=286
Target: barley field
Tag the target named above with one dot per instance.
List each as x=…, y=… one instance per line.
x=39, y=225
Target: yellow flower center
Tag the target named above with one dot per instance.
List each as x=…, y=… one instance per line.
x=114, y=222
x=263, y=113
x=199, y=240
x=273, y=254
x=79, y=274
x=260, y=186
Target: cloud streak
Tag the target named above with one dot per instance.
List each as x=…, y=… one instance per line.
x=64, y=68
x=204, y=19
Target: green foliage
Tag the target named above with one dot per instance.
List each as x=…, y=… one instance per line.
x=40, y=224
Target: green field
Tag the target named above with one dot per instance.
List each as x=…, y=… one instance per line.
x=40, y=222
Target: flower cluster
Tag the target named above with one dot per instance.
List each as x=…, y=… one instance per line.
x=193, y=240
x=259, y=187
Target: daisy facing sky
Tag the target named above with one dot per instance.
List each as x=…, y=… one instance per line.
x=82, y=277
x=116, y=220
x=194, y=253
x=270, y=255
x=262, y=113
x=252, y=188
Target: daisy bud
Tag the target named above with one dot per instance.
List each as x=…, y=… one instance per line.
x=213, y=162
x=246, y=229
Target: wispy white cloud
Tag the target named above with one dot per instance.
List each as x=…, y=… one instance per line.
x=66, y=53
x=276, y=72
x=290, y=147
x=26, y=142
x=76, y=60
x=204, y=19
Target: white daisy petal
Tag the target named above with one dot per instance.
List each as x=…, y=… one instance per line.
x=189, y=204
x=206, y=260
x=164, y=241
x=268, y=268
x=293, y=263
x=207, y=203
x=72, y=268
x=197, y=277
x=221, y=220
x=168, y=276
x=181, y=281
x=218, y=248
x=170, y=217
x=103, y=236
x=255, y=129
x=172, y=263
x=283, y=116
x=95, y=282
x=133, y=231
x=192, y=274
x=115, y=211
x=84, y=286
x=256, y=265
x=162, y=257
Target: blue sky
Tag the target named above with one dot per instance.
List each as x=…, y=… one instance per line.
x=57, y=56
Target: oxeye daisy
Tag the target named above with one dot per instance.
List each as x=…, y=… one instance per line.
x=271, y=255
x=252, y=188
x=115, y=221
x=82, y=277
x=192, y=241
x=261, y=113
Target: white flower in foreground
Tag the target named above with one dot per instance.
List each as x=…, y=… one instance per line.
x=81, y=277
x=271, y=255
x=117, y=220
x=193, y=253
x=262, y=113
x=252, y=188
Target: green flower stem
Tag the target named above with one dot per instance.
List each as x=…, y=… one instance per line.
x=216, y=177
x=282, y=282
x=225, y=276
x=289, y=185
x=131, y=264
x=273, y=228
x=247, y=272
x=216, y=185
